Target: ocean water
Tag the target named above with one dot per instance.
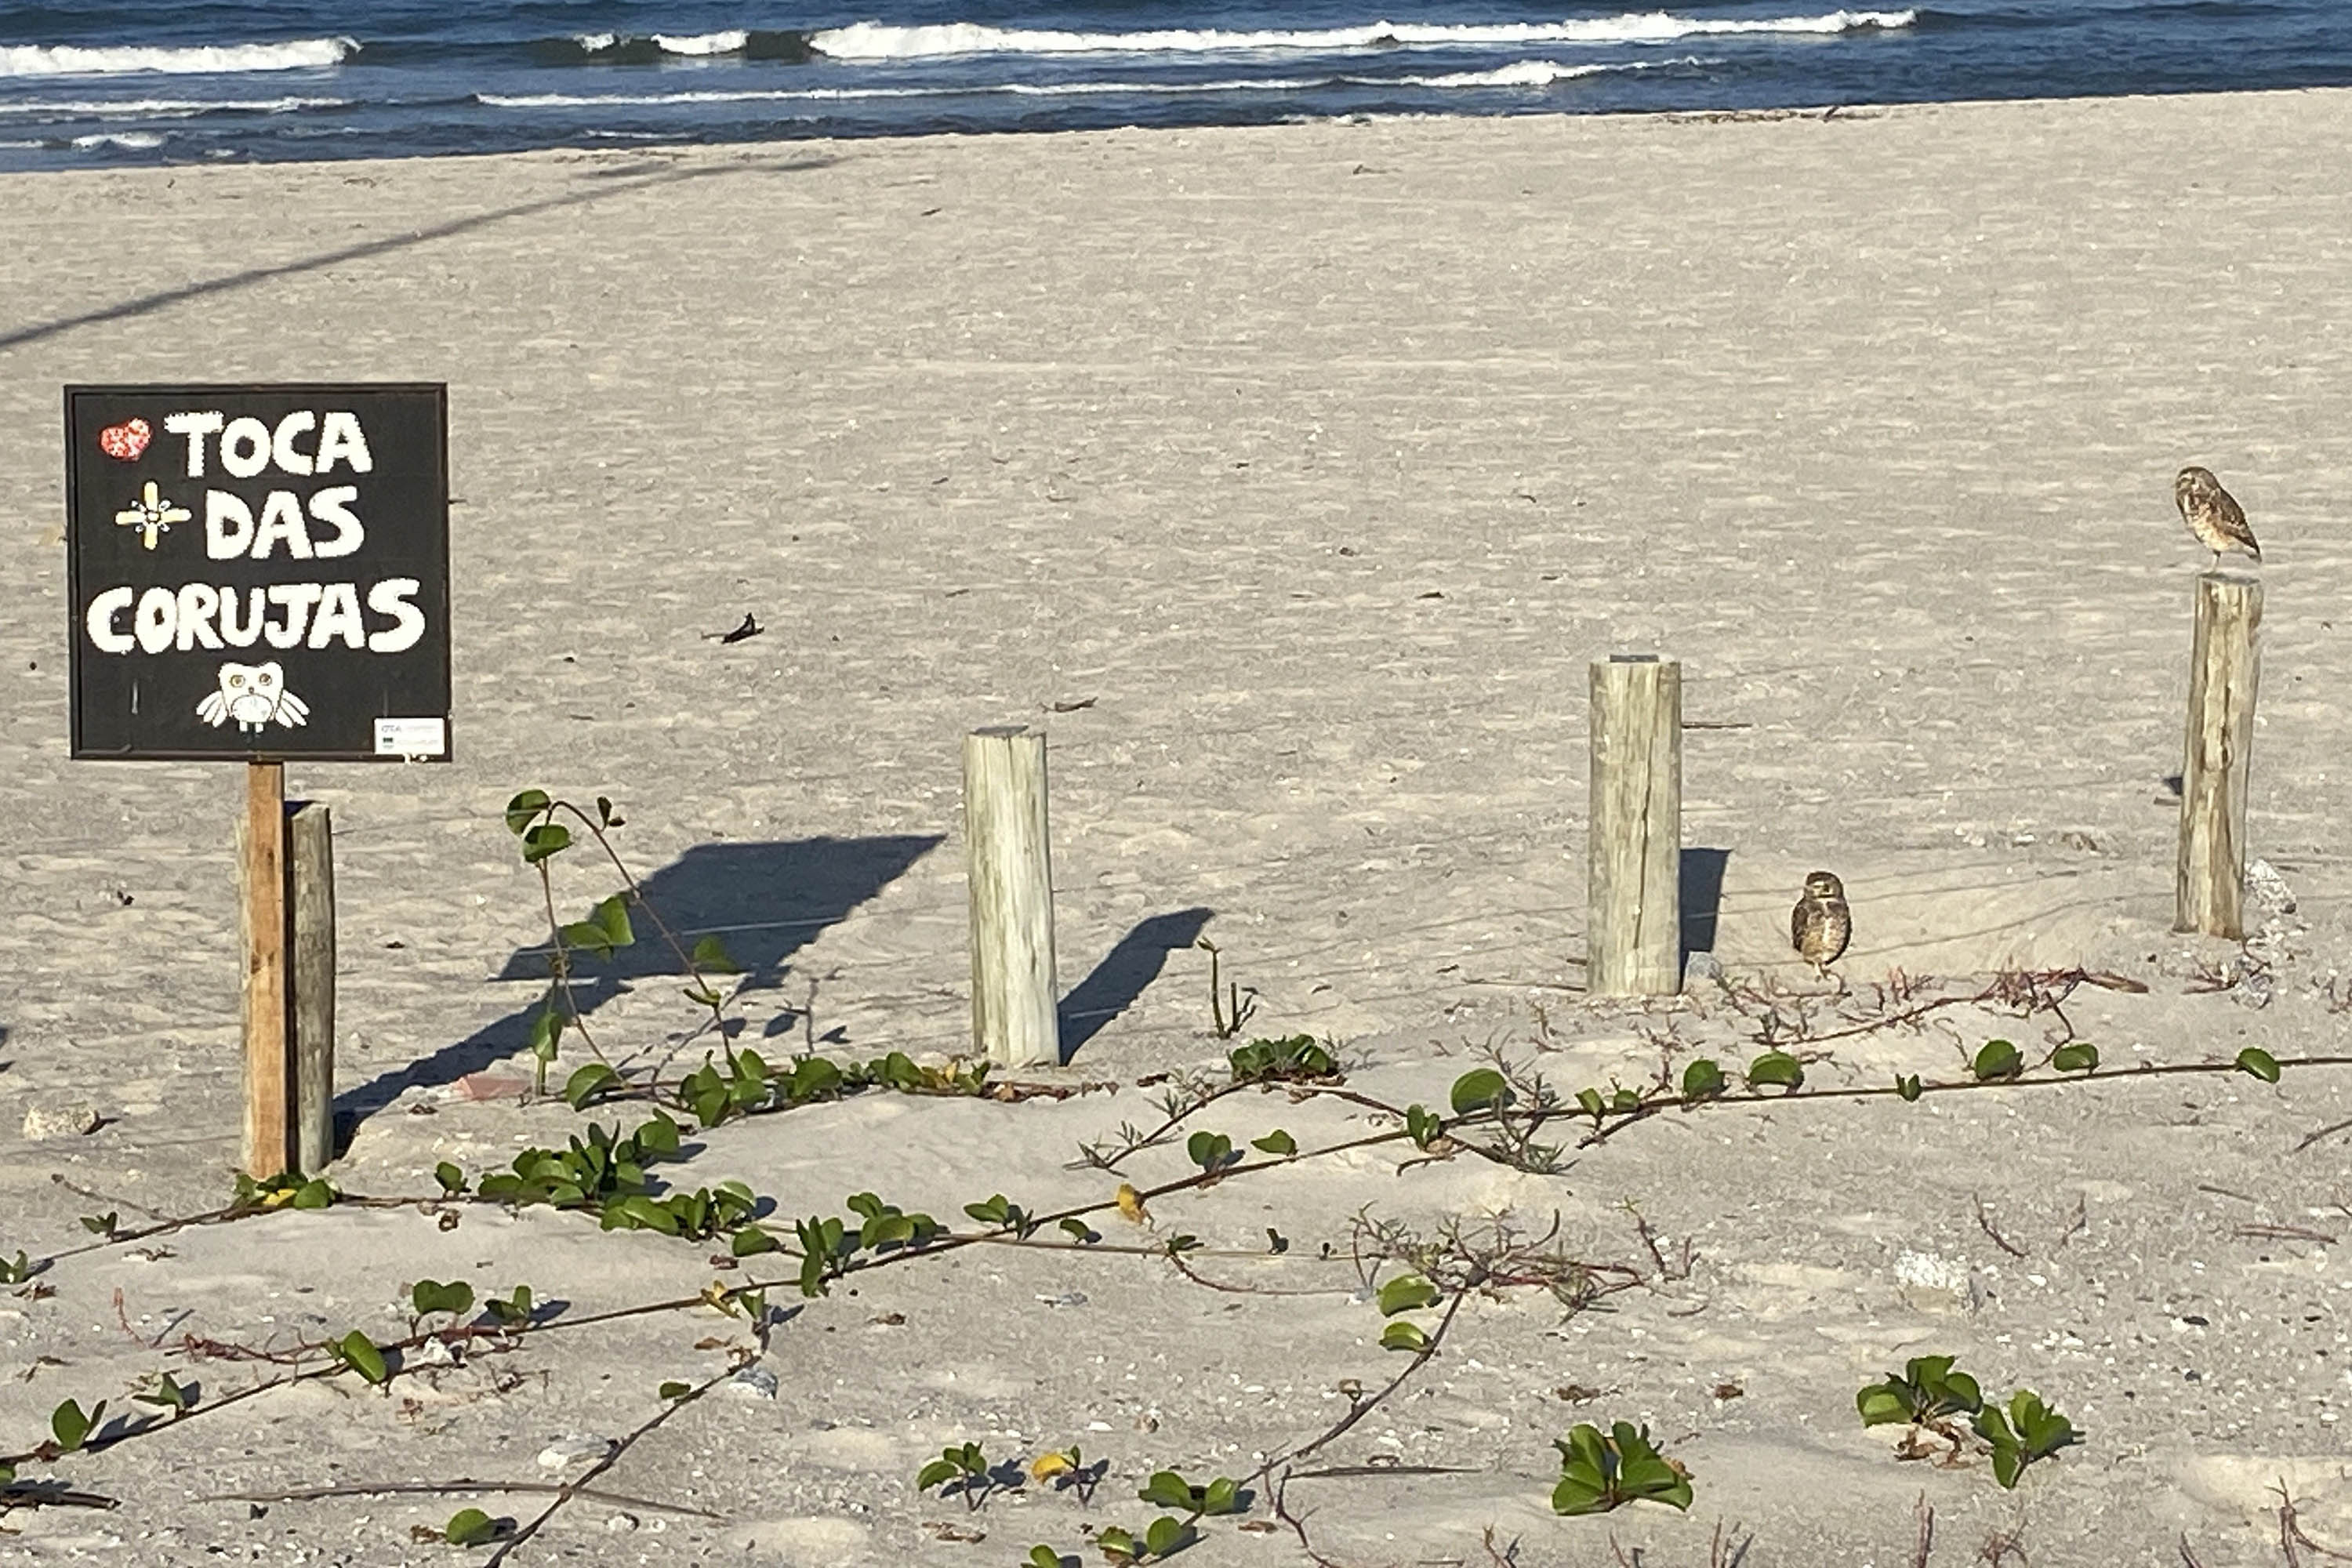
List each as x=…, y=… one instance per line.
x=111, y=82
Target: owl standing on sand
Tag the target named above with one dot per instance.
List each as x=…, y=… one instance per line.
x=1820, y=925
x=2213, y=514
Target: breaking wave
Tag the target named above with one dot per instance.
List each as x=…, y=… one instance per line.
x=876, y=41
x=1518, y=74
x=30, y=59
x=163, y=108
x=726, y=42
x=653, y=48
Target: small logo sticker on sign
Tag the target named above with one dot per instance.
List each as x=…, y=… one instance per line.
x=411, y=737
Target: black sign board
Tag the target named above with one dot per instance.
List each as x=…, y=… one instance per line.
x=260, y=572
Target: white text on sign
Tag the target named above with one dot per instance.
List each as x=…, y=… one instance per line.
x=194, y=616
x=248, y=446
x=284, y=614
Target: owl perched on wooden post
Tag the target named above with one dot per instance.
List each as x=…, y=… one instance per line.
x=1820, y=925
x=2213, y=514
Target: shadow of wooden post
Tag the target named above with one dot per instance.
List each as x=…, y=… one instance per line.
x=1700, y=892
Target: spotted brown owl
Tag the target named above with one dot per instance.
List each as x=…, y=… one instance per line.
x=1820, y=925
x=2213, y=514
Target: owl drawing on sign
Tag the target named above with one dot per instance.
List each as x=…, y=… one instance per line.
x=254, y=695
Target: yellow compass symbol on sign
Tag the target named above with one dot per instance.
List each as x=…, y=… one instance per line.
x=151, y=514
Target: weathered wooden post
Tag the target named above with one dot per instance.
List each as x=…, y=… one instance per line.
x=2224, y=669
x=261, y=907
x=1010, y=870
x=310, y=884
x=1633, y=886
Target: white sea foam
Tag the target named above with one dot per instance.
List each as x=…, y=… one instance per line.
x=1097, y=89
x=30, y=59
x=1521, y=73
x=725, y=43
x=874, y=40
x=1539, y=73
x=139, y=139
x=660, y=99
x=702, y=44
x=162, y=108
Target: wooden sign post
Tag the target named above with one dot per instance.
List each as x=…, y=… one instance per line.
x=261, y=927
x=261, y=574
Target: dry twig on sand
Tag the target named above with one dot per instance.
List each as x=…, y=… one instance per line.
x=2330, y=1131
x=576, y=1488
x=2003, y=1545
x=1499, y=1556
x=1984, y=1224
x=48, y=1494
x=462, y=1486
x=2292, y=1541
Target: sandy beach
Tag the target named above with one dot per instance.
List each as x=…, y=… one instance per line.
x=1290, y=478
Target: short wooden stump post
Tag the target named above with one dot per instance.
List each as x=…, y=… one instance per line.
x=310, y=889
x=1633, y=886
x=1010, y=870
x=2208, y=888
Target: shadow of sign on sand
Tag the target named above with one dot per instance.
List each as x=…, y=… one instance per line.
x=765, y=900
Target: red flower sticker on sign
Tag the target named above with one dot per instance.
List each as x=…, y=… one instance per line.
x=125, y=441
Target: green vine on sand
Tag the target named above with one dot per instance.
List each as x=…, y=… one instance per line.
x=1503, y=1111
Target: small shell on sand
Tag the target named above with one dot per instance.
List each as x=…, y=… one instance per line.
x=42, y=1122
x=572, y=1449
x=753, y=1383
x=1929, y=1283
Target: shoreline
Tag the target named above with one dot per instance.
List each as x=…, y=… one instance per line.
x=1859, y=109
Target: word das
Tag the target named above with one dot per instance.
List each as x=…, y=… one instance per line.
x=231, y=529
x=246, y=446
x=283, y=614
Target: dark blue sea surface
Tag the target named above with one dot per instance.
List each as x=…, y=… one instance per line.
x=110, y=81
